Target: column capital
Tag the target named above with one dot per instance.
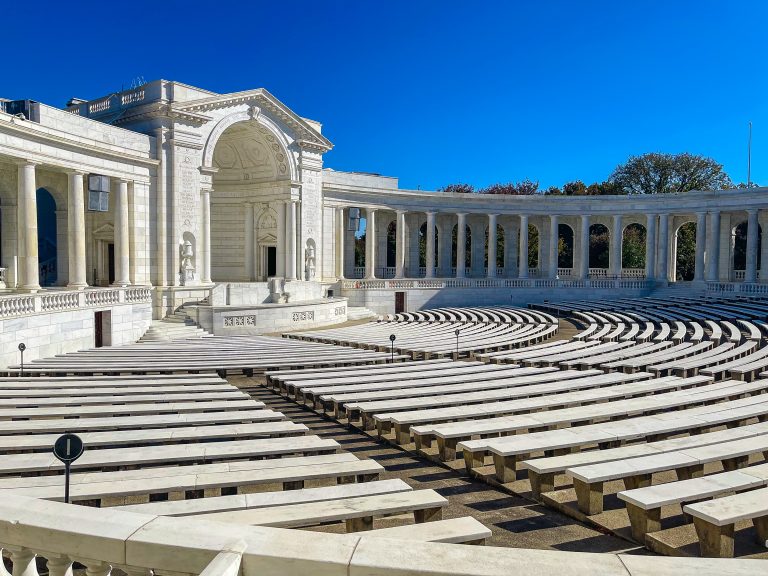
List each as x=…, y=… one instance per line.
x=462, y=214
x=205, y=191
x=752, y=211
x=74, y=172
x=428, y=212
x=26, y=162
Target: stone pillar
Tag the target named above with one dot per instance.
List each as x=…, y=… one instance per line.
x=290, y=240
x=29, y=266
x=617, y=239
x=341, y=227
x=584, y=247
x=282, y=247
x=370, y=243
x=399, y=243
x=205, y=224
x=76, y=231
x=249, y=233
x=430, y=242
x=663, y=273
x=122, y=231
x=650, y=247
x=701, y=245
x=750, y=274
x=522, y=265
x=491, y=246
x=554, y=241
x=713, y=264
x=461, y=245
x=445, y=248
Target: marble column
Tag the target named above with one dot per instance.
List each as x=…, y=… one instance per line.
x=650, y=247
x=713, y=265
x=444, y=250
x=29, y=266
x=522, y=265
x=122, y=235
x=584, y=247
x=249, y=247
x=663, y=266
x=400, y=244
x=370, y=243
x=491, y=273
x=341, y=228
x=617, y=238
x=701, y=245
x=554, y=241
x=290, y=240
x=205, y=224
x=76, y=231
x=430, y=245
x=461, y=245
x=750, y=274
x=282, y=247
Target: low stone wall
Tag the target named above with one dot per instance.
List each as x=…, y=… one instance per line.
x=57, y=332
x=382, y=300
x=268, y=318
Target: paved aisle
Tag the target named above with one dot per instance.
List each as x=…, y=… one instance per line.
x=515, y=522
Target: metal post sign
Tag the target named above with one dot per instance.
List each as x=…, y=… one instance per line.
x=392, y=339
x=68, y=448
x=22, y=347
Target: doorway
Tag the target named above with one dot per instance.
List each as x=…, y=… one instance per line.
x=102, y=328
x=110, y=263
x=271, y=261
x=399, y=302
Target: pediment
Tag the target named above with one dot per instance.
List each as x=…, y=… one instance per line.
x=307, y=136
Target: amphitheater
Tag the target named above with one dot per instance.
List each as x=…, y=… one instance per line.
x=257, y=397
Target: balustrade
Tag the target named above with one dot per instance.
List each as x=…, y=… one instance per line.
x=59, y=300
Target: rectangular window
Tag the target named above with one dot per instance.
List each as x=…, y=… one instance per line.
x=98, y=193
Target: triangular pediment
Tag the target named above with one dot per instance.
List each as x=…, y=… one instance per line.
x=306, y=134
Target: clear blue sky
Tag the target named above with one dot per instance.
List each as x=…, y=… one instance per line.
x=436, y=92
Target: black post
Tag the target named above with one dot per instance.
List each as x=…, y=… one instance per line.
x=457, y=343
x=22, y=347
x=66, y=482
x=392, y=338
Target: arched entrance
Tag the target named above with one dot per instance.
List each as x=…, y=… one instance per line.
x=533, y=248
x=685, y=252
x=739, y=252
x=599, y=245
x=565, y=247
x=47, y=244
x=633, y=248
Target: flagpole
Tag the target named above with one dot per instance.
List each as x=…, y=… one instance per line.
x=749, y=157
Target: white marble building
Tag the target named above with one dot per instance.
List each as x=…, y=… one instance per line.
x=209, y=195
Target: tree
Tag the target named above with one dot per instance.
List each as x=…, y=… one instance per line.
x=459, y=188
x=523, y=188
x=633, y=247
x=685, y=261
x=360, y=250
x=658, y=173
x=575, y=188
x=553, y=191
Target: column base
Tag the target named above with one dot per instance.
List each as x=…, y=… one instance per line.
x=117, y=284
x=77, y=286
x=31, y=289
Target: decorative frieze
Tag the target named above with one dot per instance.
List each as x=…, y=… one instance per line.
x=303, y=316
x=340, y=311
x=237, y=321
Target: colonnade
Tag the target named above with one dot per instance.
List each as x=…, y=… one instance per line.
x=659, y=258
x=28, y=273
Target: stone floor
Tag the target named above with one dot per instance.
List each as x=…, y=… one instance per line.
x=514, y=521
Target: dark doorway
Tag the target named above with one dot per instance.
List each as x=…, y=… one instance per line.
x=110, y=263
x=46, y=238
x=102, y=328
x=98, y=329
x=399, y=302
x=271, y=261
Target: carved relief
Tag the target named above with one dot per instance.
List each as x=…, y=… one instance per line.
x=303, y=316
x=237, y=321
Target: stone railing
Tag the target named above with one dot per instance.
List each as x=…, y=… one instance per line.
x=60, y=300
x=484, y=283
x=740, y=275
x=737, y=288
x=56, y=535
x=633, y=272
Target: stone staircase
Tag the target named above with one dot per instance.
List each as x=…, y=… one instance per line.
x=687, y=289
x=175, y=326
x=360, y=313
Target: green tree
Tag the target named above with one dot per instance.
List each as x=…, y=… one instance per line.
x=633, y=247
x=533, y=246
x=575, y=188
x=458, y=189
x=360, y=250
x=686, y=251
x=523, y=188
x=658, y=173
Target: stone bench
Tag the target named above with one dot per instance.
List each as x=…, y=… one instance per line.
x=112, y=423
x=714, y=520
x=155, y=455
x=464, y=530
x=636, y=472
x=542, y=471
x=44, y=442
x=56, y=392
x=644, y=504
x=605, y=434
x=128, y=409
x=177, y=482
x=681, y=350
x=357, y=512
x=121, y=399
x=720, y=354
x=268, y=499
x=744, y=368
